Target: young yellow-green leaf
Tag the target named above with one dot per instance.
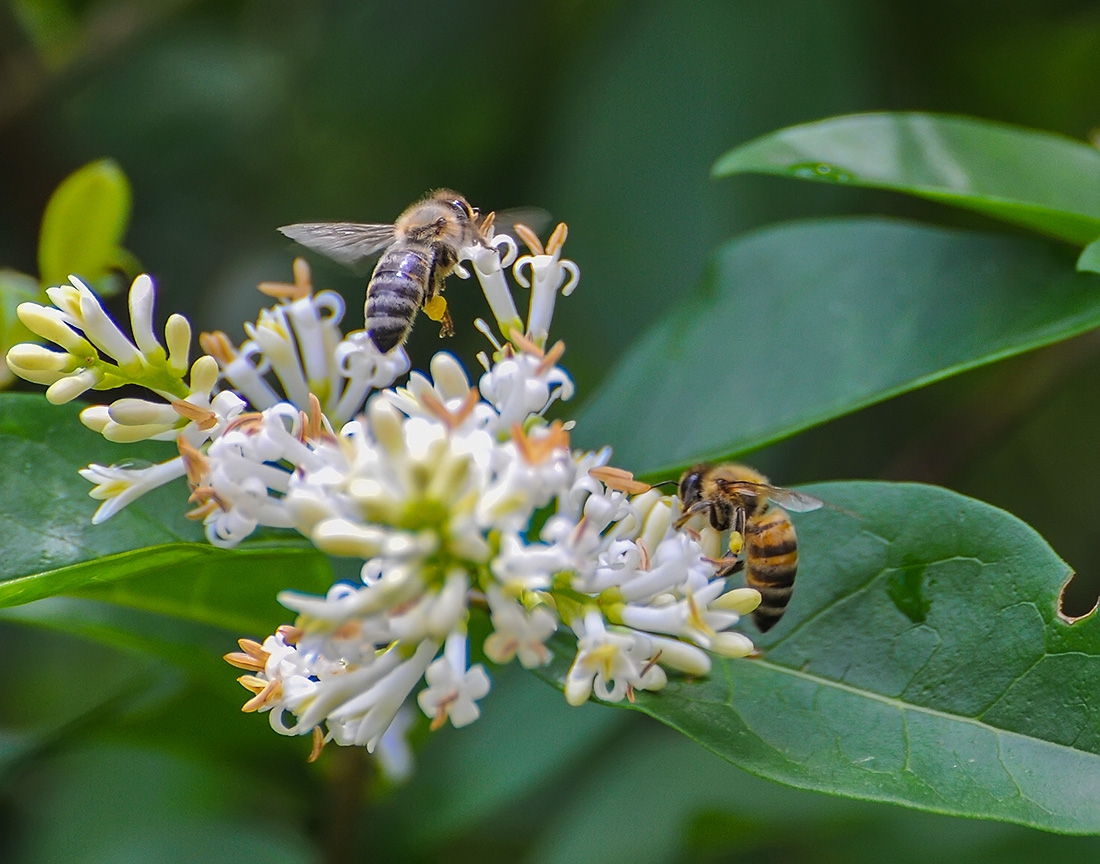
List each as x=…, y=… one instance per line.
x=84, y=223
x=922, y=661
x=1037, y=179
x=15, y=288
x=799, y=323
x=148, y=556
x=1089, y=259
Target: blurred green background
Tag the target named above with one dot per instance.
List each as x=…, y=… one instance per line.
x=231, y=118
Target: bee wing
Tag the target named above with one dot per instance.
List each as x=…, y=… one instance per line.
x=347, y=243
x=796, y=502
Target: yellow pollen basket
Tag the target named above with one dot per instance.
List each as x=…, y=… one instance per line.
x=737, y=542
x=436, y=308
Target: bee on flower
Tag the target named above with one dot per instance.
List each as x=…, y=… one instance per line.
x=457, y=495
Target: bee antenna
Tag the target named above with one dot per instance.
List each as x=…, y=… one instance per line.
x=667, y=483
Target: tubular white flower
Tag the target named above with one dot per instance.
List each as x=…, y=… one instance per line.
x=517, y=633
x=54, y=326
x=118, y=485
x=71, y=386
x=368, y=715
x=316, y=325
x=141, y=300
x=549, y=274
x=177, y=336
x=100, y=330
x=611, y=664
x=247, y=378
x=365, y=368
x=489, y=265
x=271, y=333
x=453, y=690
x=451, y=497
x=27, y=357
x=522, y=385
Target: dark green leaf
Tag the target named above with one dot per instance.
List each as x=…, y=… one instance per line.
x=922, y=661
x=148, y=556
x=693, y=799
x=233, y=589
x=1036, y=179
x=85, y=221
x=803, y=322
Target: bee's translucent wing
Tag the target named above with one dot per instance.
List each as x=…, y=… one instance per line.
x=347, y=243
x=796, y=502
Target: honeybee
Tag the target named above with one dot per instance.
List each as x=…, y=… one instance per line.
x=737, y=497
x=421, y=250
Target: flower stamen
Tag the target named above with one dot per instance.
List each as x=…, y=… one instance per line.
x=530, y=238
x=219, y=346
x=318, y=744
x=618, y=479
x=204, y=418
x=194, y=461
x=535, y=451
x=525, y=344
x=251, y=656
x=301, y=288
x=264, y=690
x=451, y=419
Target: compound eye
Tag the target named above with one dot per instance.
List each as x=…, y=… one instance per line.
x=691, y=488
x=462, y=208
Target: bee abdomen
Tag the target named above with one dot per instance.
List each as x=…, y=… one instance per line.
x=395, y=293
x=771, y=561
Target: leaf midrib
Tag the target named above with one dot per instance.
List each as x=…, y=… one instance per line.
x=901, y=705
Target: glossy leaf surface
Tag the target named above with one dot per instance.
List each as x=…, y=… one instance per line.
x=799, y=323
x=922, y=661
x=1036, y=179
x=148, y=556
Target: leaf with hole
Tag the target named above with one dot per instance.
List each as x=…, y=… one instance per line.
x=922, y=661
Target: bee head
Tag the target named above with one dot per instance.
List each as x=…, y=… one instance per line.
x=691, y=485
x=457, y=203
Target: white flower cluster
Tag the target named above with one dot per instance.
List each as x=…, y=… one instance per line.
x=456, y=496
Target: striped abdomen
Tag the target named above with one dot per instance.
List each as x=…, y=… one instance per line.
x=397, y=289
x=771, y=559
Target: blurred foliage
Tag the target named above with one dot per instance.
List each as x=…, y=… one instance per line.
x=233, y=117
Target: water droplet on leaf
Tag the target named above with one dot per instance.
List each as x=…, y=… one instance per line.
x=821, y=171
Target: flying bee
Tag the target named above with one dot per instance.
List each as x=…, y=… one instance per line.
x=737, y=497
x=421, y=251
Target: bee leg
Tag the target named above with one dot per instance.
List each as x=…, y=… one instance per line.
x=721, y=514
x=697, y=507
x=446, y=325
x=734, y=566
